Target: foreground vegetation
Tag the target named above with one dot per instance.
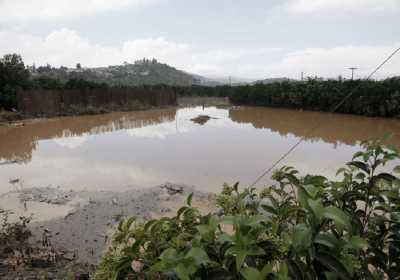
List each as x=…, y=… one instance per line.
x=303, y=227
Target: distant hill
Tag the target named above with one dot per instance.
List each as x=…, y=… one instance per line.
x=141, y=72
x=204, y=81
x=230, y=80
x=273, y=80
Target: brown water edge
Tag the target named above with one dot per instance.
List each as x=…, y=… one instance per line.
x=125, y=150
x=18, y=142
x=331, y=128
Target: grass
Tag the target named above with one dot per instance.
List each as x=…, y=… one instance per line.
x=8, y=116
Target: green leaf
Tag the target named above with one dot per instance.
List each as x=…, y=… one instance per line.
x=360, y=165
x=240, y=257
x=250, y=273
x=357, y=155
x=333, y=264
x=269, y=209
x=189, y=199
x=302, y=197
x=224, y=238
x=311, y=190
x=255, y=251
x=283, y=273
x=182, y=272
x=317, y=208
x=203, y=229
x=149, y=224
x=236, y=187
x=397, y=169
x=292, y=179
x=199, y=256
x=294, y=270
x=358, y=243
x=338, y=216
x=181, y=211
x=326, y=239
x=341, y=170
x=168, y=254
x=265, y=271
x=385, y=176
x=301, y=237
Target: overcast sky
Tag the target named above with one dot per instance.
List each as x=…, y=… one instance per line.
x=245, y=38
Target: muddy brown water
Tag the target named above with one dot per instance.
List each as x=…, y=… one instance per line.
x=122, y=151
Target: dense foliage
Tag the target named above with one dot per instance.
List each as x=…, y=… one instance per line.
x=369, y=98
x=13, y=76
x=303, y=227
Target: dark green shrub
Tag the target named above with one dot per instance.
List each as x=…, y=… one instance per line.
x=14, y=236
x=301, y=228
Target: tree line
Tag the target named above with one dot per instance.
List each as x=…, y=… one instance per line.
x=368, y=97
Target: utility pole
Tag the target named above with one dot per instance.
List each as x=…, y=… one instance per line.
x=302, y=76
x=352, y=71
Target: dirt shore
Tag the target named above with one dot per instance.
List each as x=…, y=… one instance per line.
x=81, y=223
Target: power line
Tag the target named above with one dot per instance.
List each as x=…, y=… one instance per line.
x=319, y=124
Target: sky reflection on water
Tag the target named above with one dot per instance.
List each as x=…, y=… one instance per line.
x=120, y=151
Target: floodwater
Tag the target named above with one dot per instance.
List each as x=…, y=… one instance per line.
x=121, y=151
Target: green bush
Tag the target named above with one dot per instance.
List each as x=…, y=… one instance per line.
x=303, y=227
x=14, y=236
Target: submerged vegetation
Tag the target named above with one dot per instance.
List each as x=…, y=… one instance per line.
x=303, y=227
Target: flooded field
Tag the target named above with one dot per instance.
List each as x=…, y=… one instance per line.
x=124, y=151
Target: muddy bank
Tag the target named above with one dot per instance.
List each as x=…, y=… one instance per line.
x=19, y=118
x=81, y=223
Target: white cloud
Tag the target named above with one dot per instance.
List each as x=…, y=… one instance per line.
x=66, y=47
x=354, y=6
x=71, y=142
x=332, y=62
x=26, y=10
x=160, y=131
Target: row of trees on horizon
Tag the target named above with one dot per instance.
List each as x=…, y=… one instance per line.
x=369, y=98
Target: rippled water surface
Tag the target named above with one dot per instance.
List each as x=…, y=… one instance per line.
x=119, y=151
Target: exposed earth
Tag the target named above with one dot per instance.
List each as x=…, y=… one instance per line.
x=79, y=225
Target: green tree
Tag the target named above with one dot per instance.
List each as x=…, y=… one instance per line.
x=13, y=76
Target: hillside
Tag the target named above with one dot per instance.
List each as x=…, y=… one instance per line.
x=141, y=72
x=273, y=80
